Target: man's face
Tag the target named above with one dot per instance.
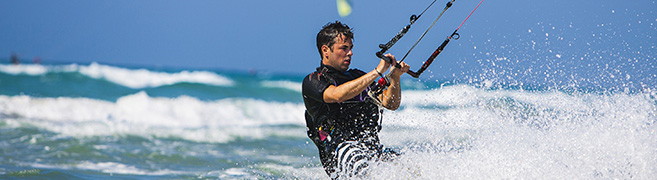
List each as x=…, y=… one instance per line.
x=339, y=56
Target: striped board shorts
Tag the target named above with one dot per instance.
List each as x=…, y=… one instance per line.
x=354, y=158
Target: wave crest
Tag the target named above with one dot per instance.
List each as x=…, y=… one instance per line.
x=139, y=114
x=132, y=78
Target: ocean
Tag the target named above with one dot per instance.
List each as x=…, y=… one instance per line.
x=98, y=121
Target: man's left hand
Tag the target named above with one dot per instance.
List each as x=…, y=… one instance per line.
x=397, y=72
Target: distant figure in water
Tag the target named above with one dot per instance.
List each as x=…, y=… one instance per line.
x=253, y=72
x=14, y=58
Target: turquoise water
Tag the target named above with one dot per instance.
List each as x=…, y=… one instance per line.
x=96, y=121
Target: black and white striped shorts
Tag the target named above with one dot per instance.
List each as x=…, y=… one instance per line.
x=354, y=158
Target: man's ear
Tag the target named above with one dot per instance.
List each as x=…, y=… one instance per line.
x=325, y=51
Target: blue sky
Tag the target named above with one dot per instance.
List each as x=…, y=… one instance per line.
x=503, y=40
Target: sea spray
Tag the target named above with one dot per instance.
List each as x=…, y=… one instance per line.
x=254, y=128
x=501, y=134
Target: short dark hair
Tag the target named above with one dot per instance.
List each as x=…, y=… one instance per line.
x=328, y=33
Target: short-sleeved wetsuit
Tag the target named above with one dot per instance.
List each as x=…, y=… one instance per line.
x=345, y=133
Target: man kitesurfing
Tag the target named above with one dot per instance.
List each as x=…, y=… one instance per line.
x=342, y=116
x=344, y=106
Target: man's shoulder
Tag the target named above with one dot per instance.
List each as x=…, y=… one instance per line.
x=313, y=76
x=319, y=75
x=315, y=80
x=313, y=86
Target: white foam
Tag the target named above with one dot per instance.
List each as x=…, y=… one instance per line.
x=132, y=78
x=512, y=134
x=294, y=173
x=474, y=134
x=28, y=69
x=139, y=114
x=111, y=168
x=294, y=86
x=118, y=168
x=142, y=78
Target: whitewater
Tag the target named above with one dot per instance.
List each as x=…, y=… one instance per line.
x=94, y=121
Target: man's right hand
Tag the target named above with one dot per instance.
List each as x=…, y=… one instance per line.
x=384, y=65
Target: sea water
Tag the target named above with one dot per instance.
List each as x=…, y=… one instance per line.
x=97, y=121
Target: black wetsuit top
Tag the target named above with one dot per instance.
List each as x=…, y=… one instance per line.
x=330, y=124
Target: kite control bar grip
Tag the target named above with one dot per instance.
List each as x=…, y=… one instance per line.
x=386, y=58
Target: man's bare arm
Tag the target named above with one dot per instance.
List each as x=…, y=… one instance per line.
x=351, y=89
